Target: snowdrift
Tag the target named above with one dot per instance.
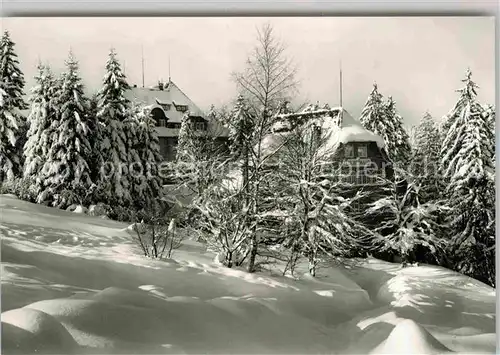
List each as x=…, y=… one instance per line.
x=77, y=284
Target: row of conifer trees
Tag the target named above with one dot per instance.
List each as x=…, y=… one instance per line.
x=74, y=149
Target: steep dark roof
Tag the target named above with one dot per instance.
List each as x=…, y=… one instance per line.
x=170, y=95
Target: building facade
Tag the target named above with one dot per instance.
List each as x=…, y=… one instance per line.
x=168, y=105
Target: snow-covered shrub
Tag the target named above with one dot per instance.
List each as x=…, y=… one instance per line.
x=23, y=188
x=99, y=210
x=157, y=235
x=223, y=224
x=122, y=214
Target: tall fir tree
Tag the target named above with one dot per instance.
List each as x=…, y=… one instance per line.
x=373, y=113
x=149, y=183
x=43, y=113
x=467, y=93
x=12, y=123
x=453, y=127
x=113, y=110
x=186, y=139
x=395, y=135
x=472, y=196
x=381, y=117
x=425, y=159
x=66, y=172
x=241, y=124
x=468, y=166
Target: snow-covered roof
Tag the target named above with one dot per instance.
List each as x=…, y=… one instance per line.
x=337, y=124
x=170, y=95
x=348, y=129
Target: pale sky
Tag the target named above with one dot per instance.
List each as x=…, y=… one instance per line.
x=418, y=60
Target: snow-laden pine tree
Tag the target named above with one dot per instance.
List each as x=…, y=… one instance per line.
x=425, y=159
x=241, y=124
x=382, y=118
x=308, y=193
x=452, y=126
x=471, y=192
x=411, y=227
x=43, y=122
x=186, y=139
x=467, y=94
x=373, y=113
x=113, y=110
x=144, y=158
x=12, y=123
x=395, y=135
x=66, y=172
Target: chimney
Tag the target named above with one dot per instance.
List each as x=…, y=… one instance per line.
x=160, y=85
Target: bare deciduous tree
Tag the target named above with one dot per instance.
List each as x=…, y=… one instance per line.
x=269, y=78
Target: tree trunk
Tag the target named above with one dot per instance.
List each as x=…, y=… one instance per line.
x=312, y=264
x=253, y=253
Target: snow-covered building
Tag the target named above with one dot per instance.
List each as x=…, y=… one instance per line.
x=359, y=153
x=168, y=104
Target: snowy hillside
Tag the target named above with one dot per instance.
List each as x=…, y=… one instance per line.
x=74, y=284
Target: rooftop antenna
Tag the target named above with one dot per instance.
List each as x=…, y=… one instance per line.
x=142, y=51
x=340, y=67
x=341, y=104
x=169, y=78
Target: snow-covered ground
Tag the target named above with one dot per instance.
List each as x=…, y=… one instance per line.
x=75, y=284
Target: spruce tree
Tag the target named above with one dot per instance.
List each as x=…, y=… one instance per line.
x=66, y=172
x=149, y=185
x=186, y=140
x=12, y=123
x=468, y=168
x=453, y=126
x=382, y=118
x=472, y=197
x=373, y=113
x=425, y=159
x=395, y=135
x=113, y=110
x=43, y=113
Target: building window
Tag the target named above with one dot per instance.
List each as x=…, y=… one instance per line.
x=348, y=151
x=158, y=114
x=362, y=151
x=162, y=122
x=181, y=108
x=199, y=126
x=165, y=107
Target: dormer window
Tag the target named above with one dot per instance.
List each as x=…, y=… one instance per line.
x=181, y=108
x=348, y=151
x=165, y=107
x=362, y=151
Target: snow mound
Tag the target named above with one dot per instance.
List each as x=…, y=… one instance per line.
x=98, y=210
x=77, y=209
x=408, y=337
x=26, y=330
